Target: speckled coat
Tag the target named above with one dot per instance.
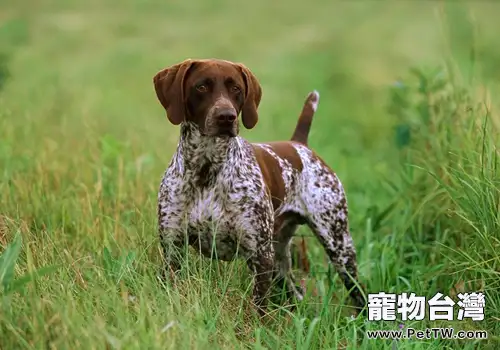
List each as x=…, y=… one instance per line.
x=229, y=198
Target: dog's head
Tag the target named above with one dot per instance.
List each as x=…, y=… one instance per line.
x=210, y=93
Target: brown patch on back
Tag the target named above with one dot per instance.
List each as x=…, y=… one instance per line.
x=285, y=150
x=271, y=169
x=271, y=172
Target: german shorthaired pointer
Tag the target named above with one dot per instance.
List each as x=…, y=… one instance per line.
x=234, y=198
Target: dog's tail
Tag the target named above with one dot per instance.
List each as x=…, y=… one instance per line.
x=303, y=127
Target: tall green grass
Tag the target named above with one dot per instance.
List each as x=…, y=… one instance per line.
x=82, y=149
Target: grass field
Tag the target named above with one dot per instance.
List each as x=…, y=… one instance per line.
x=407, y=119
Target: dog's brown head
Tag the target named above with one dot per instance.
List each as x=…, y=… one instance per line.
x=211, y=93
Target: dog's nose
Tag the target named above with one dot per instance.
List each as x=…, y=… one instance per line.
x=226, y=116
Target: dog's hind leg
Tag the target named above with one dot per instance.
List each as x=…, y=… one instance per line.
x=325, y=204
x=330, y=226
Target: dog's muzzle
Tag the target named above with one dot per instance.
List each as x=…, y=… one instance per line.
x=223, y=122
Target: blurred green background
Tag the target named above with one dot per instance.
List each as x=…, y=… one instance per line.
x=84, y=141
x=81, y=69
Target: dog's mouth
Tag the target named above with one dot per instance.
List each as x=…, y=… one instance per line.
x=221, y=129
x=226, y=132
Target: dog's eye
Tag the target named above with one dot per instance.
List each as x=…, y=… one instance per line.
x=202, y=88
x=235, y=88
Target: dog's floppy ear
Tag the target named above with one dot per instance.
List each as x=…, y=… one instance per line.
x=253, y=94
x=169, y=87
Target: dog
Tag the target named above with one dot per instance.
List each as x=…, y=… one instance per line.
x=231, y=198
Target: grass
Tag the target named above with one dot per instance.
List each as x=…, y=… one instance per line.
x=407, y=119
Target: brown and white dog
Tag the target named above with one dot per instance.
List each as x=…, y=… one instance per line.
x=231, y=198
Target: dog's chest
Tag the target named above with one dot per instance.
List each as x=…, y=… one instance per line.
x=212, y=226
x=207, y=206
x=217, y=197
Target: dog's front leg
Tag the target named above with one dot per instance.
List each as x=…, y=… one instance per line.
x=173, y=246
x=261, y=263
x=171, y=221
x=258, y=245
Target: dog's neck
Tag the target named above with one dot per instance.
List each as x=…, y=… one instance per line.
x=198, y=151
